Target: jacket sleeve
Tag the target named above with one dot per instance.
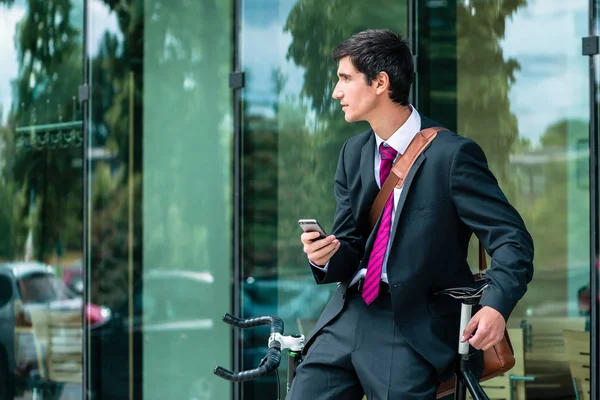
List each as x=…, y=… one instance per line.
x=482, y=206
x=345, y=261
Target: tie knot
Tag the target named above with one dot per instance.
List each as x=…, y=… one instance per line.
x=387, y=152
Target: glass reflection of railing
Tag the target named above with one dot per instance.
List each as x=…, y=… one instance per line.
x=61, y=135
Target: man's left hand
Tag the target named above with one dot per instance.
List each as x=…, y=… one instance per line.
x=485, y=329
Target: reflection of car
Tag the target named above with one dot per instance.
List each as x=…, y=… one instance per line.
x=172, y=330
x=289, y=299
x=73, y=277
x=25, y=287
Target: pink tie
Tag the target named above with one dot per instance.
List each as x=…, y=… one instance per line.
x=373, y=276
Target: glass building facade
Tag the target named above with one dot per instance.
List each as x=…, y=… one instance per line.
x=156, y=155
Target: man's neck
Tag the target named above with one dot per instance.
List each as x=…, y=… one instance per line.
x=389, y=120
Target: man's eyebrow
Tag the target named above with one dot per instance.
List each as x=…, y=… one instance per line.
x=343, y=75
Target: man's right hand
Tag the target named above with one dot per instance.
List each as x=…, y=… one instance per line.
x=319, y=251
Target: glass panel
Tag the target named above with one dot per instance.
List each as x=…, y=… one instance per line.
x=292, y=135
x=160, y=197
x=40, y=199
x=510, y=75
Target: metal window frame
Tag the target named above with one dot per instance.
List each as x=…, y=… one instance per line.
x=594, y=206
x=237, y=84
x=84, y=99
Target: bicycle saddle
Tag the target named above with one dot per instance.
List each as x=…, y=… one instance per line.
x=471, y=292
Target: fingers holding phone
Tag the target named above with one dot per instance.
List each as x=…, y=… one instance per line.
x=318, y=246
x=320, y=251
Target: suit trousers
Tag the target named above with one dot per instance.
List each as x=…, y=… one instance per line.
x=362, y=352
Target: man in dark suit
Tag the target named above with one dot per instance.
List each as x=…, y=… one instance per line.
x=384, y=333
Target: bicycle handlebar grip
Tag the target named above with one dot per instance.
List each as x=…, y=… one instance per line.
x=272, y=362
x=275, y=322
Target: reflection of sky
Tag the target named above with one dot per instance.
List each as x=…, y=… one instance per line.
x=264, y=47
x=545, y=38
x=101, y=20
x=9, y=16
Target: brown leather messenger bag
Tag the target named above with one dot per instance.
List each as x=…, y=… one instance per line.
x=499, y=358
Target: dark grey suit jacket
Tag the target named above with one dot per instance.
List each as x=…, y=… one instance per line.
x=448, y=194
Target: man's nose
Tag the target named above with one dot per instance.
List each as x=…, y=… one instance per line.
x=337, y=94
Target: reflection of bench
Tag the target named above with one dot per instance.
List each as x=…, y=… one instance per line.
x=577, y=346
x=59, y=346
x=510, y=386
x=65, y=352
x=543, y=336
x=545, y=353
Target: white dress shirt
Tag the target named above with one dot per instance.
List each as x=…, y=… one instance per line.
x=399, y=141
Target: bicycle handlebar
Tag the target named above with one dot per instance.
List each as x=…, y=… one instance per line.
x=275, y=322
x=269, y=363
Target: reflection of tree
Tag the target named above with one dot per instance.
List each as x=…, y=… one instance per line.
x=554, y=209
x=49, y=57
x=318, y=26
x=546, y=206
x=13, y=200
x=462, y=69
x=109, y=235
x=187, y=68
x=484, y=79
x=13, y=223
x=162, y=83
x=463, y=78
x=312, y=127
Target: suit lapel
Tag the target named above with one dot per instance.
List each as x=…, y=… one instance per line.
x=425, y=123
x=405, y=190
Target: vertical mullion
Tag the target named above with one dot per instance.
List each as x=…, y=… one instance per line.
x=237, y=197
x=414, y=43
x=85, y=201
x=594, y=251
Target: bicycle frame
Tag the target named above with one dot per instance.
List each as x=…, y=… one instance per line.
x=294, y=358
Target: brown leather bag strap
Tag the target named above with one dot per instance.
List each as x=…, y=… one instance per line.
x=400, y=171
x=482, y=259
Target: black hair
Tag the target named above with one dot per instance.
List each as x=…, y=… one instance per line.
x=381, y=50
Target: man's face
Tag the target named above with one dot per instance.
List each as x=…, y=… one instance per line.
x=356, y=97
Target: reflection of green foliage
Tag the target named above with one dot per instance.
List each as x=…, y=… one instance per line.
x=309, y=130
x=317, y=27
x=464, y=81
x=177, y=60
x=175, y=51
x=109, y=225
x=484, y=79
x=13, y=222
x=49, y=56
x=555, y=210
x=548, y=215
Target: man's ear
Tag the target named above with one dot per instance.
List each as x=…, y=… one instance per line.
x=382, y=83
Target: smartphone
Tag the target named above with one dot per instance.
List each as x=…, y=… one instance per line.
x=312, y=225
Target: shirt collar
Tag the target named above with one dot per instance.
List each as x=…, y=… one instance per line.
x=400, y=139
